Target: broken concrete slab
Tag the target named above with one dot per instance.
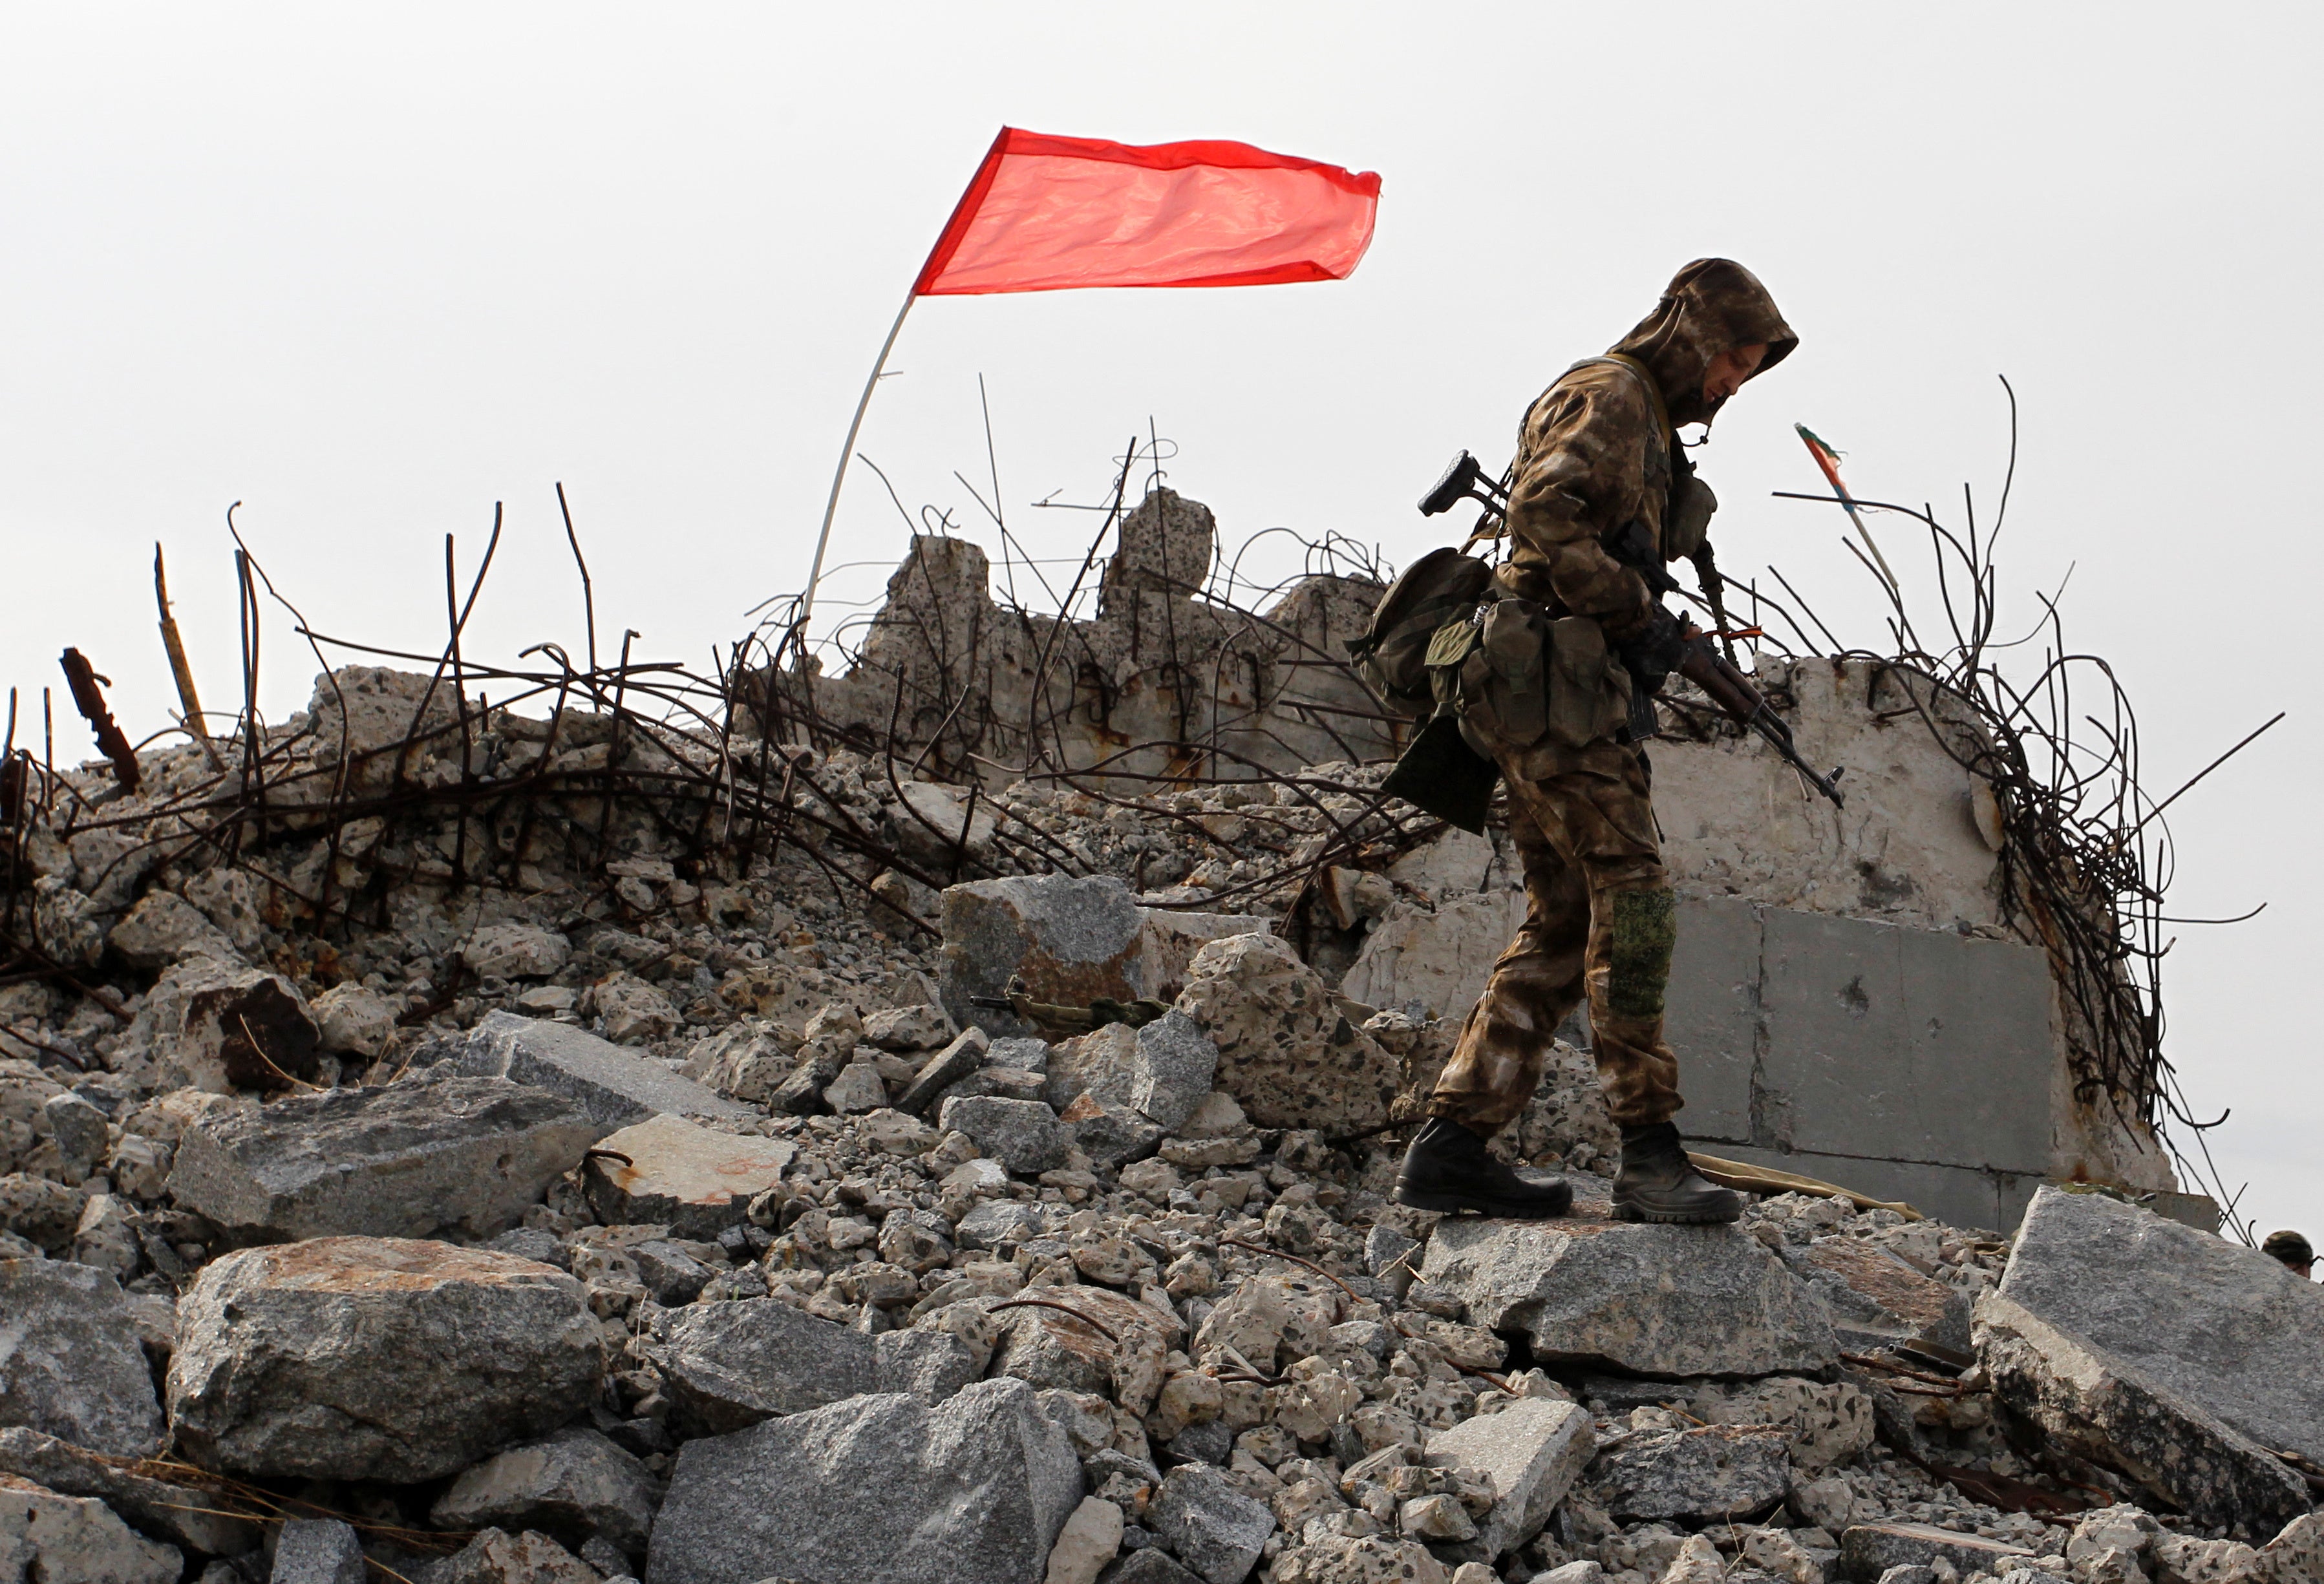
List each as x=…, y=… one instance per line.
x=1534, y=1450
x=407, y=1160
x=1655, y=1301
x=376, y=1359
x=1719, y=1474
x=182, y=1515
x=1023, y=1135
x=1875, y=1298
x=2096, y=1406
x=570, y=1485
x=70, y=1363
x=615, y=1086
x=1287, y=1052
x=2228, y=1328
x=669, y=1171
x=1176, y=1063
x=47, y=1536
x=878, y=1489
x=1867, y=1551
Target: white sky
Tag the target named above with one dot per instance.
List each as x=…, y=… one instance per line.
x=368, y=269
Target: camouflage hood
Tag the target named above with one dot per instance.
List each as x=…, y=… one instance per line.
x=1712, y=306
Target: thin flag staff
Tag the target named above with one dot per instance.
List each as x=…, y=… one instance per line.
x=1827, y=460
x=1050, y=214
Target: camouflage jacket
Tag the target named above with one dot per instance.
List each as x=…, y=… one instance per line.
x=1594, y=456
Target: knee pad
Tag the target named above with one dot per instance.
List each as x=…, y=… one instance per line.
x=1644, y=929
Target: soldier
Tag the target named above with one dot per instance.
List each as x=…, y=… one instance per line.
x=2292, y=1251
x=1598, y=472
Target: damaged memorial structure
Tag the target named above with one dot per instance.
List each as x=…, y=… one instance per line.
x=933, y=1121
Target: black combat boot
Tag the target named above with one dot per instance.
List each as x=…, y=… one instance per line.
x=1657, y=1182
x=1447, y=1168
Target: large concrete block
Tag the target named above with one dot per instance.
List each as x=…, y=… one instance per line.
x=615, y=1086
x=1653, y=1301
x=1903, y=1045
x=403, y=1161
x=2223, y=1325
x=1712, y=1016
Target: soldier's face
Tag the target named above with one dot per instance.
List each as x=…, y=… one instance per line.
x=1728, y=370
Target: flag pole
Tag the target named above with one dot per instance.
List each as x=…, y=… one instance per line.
x=839, y=474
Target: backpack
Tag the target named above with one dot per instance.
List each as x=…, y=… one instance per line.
x=1392, y=654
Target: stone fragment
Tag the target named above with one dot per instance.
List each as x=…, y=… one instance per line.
x=164, y=928
x=1436, y=1520
x=1067, y=1348
x=1533, y=1450
x=998, y=1223
x=2296, y=1553
x=375, y=1359
x=178, y=1513
x=632, y=1011
x=1163, y=1070
x=2099, y=1407
x=1721, y=1474
x=1287, y=1052
x=402, y=1161
x=1272, y=1321
x=858, y=1088
x=1867, y=1550
x=668, y=1272
x=1652, y=1300
x=947, y=1067
x=45, y=1214
x=516, y=950
x=222, y=1027
x=2225, y=1327
x=317, y=1551
x=727, y=1365
x=355, y=1020
x=50, y=1539
x=1090, y=1539
x=1373, y=1559
x=1023, y=1135
x=897, y=1134
x=938, y=824
x=77, y=1128
x=877, y=1489
x=498, y=1557
x=1151, y=1565
x=921, y=1028
x=70, y=1363
x=616, y=1087
x=694, y=1179
x=1073, y=941
x=570, y=1485
x=1111, y=1135
x=1210, y=1524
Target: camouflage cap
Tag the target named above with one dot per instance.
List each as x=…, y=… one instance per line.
x=2287, y=1246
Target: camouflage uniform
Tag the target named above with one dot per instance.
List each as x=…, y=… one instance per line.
x=1594, y=455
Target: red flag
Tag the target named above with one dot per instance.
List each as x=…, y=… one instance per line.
x=1049, y=213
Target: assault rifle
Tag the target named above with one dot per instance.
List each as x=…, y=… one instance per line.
x=1701, y=663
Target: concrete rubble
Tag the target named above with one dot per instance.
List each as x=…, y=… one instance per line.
x=677, y=1213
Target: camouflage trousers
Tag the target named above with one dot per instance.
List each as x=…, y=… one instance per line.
x=1600, y=923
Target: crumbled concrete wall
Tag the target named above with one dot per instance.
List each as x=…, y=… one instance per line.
x=1242, y=695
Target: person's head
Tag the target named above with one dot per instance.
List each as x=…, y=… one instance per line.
x=2293, y=1249
x=1715, y=327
